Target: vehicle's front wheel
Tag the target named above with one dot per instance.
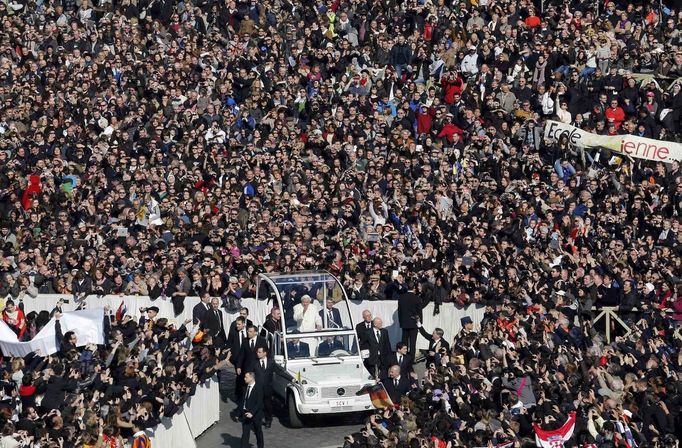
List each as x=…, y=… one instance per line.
x=295, y=419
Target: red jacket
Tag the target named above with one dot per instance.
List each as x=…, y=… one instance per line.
x=27, y=391
x=451, y=87
x=32, y=189
x=425, y=120
x=533, y=21
x=428, y=31
x=617, y=114
x=449, y=130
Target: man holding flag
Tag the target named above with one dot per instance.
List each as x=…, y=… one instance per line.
x=396, y=385
x=555, y=438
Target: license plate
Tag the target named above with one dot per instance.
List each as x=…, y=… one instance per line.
x=341, y=403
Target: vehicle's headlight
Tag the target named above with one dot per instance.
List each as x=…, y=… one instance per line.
x=311, y=391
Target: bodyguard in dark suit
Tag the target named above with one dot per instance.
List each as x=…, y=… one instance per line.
x=396, y=384
x=247, y=352
x=235, y=338
x=379, y=348
x=252, y=411
x=402, y=359
x=243, y=312
x=409, y=313
x=264, y=369
x=214, y=325
x=297, y=349
x=201, y=308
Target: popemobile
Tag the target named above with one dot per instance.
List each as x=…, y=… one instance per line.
x=319, y=367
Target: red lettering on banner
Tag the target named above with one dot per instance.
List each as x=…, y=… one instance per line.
x=645, y=150
x=627, y=147
x=663, y=153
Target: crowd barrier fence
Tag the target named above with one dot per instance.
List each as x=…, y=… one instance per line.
x=448, y=319
x=198, y=414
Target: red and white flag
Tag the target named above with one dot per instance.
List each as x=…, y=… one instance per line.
x=121, y=311
x=557, y=437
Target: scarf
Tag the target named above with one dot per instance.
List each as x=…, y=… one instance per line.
x=539, y=73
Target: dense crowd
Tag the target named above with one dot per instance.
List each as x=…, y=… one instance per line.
x=104, y=396
x=176, y=149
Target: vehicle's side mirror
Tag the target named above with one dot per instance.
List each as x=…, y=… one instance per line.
x=364, y=354
x=279, y=360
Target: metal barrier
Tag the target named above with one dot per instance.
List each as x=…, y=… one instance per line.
x=609, y=314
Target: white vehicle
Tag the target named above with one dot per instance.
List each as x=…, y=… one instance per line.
x=319, y=367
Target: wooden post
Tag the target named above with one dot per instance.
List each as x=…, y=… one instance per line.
x=607, y=313
x=607, y=316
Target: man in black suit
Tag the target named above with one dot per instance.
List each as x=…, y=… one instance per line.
x=297, y=349
x=235, y=338
x=329, y=344
x=264, y=368
x=247, y=352
x=333, y=316
x=396, y=384
x=401, y=358
x=201, y=308
x=379, y=348
x=252, y=411
x=214, y=325
x=409, y=313
x=243, y=312
x=364, y=330
x=436, y=342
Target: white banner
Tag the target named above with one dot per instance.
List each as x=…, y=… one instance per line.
x=637, y=147
x=87, y=324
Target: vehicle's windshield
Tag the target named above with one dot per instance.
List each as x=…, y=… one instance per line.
x=321, y=347
x=312, y=302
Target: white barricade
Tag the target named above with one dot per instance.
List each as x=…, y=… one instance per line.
x=200, y=412
x=448, y=319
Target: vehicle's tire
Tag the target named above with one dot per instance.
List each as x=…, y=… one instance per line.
x=295, y=419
